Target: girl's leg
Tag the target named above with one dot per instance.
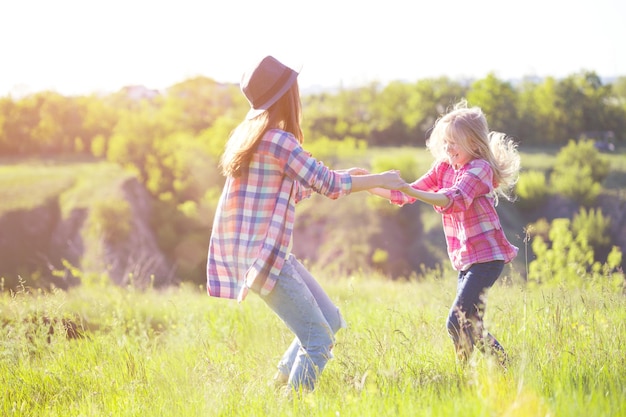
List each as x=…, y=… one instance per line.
x=465, y=321
x=293, y=301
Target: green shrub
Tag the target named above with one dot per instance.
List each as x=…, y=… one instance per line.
x=406, y=164
x=567, y=259
x=579, y=154
x=331, y=152
x=579, y=171
x=562, y=259
x=98, y=146
x=576, y=183
x=532, y=189
x=111, y=220
x=594, y=225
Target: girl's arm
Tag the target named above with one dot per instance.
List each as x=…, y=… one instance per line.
x=381, y=192
x=435, y=199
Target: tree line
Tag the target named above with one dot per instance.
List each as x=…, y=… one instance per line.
x=546, y=111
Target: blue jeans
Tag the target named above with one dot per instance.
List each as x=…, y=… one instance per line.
x=308, y=312
x=465, y=321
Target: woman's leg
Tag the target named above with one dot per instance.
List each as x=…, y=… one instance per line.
x=465, y=321
x=295, y=300
x=329, y=309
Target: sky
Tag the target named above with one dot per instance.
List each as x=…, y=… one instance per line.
x=79, y=47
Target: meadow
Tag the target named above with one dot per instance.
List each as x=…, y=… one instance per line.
x=179, y=352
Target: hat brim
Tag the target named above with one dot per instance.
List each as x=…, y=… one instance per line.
x=254, y=112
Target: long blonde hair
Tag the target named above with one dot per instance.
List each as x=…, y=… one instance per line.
x=468, y=126
x=285, y=114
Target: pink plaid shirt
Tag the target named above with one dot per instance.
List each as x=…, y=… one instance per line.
x=253, y=224
x=470, y=221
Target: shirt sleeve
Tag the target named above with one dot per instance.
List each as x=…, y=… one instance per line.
x=310, y=174
x=475, y=181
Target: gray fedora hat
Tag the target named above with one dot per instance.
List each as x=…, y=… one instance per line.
x=265, y=83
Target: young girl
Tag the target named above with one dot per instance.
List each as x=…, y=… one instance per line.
x=268, y=172
x=472, y=169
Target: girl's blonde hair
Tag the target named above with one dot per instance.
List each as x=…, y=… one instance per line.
x=285, y=114
x=468, y=127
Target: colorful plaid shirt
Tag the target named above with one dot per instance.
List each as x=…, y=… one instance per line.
x=253, y=224
x=470, y=221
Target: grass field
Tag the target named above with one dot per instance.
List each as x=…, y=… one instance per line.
x=179, y=352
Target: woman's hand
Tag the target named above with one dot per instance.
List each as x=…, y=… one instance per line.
x=392, y=180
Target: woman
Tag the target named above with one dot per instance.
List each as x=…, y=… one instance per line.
x=267, y=172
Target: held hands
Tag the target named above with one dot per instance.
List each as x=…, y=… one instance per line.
x=407, y=189
x=392, y=180
x=376, y=183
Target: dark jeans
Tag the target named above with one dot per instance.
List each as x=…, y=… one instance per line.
x=465, y=321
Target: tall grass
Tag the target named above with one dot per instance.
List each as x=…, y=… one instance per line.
x=180, y=353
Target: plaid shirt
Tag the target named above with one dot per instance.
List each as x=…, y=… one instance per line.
x=470, y=221
x=253, y=224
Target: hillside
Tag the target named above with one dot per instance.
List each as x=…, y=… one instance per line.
x=63, y=221
x=55, y=228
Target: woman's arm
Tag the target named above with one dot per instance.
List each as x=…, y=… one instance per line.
x=389, y=180
x=363, y=184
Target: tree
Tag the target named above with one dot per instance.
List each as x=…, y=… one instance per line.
x=428, y=99
x=18, y=120
x=498, y=101
x=134, y=138
x=194, y=104
x=59, y=123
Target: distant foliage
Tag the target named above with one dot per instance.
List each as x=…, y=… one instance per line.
x=405, y=163
x=214, y=138
x=98, y=146
x=582, y=153
x=593, y=224
x=531, y=189
x=330, y=152
x=398, y=113
x=579, y=171
x=577, y=184
x=567, y=259
x=111, y=220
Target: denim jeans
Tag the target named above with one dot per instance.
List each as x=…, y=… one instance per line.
x=465, y=321
x=308, y=312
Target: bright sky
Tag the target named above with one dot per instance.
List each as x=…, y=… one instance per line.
x=85, y=46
